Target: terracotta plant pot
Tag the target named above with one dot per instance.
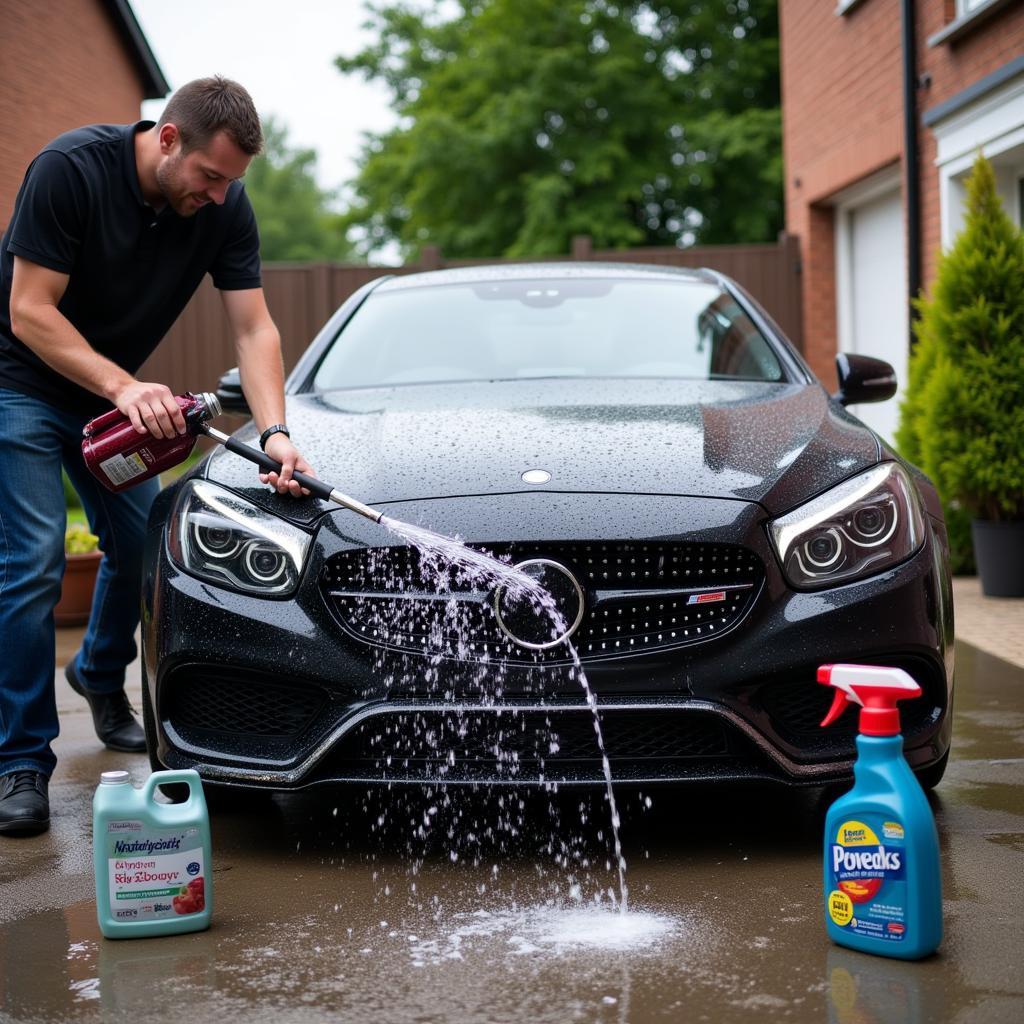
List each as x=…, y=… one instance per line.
x=76, y=592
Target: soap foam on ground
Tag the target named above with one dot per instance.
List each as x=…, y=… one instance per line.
x=545, y=931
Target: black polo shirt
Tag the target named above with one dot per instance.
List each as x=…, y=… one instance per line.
x=131, y=270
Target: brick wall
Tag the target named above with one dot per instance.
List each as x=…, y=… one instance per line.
x=843, y=120
x=951, y=68
x=62, y=64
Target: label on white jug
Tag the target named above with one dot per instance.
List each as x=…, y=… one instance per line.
x=156, y=874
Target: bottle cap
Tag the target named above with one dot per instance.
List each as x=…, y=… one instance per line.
x=118, y=778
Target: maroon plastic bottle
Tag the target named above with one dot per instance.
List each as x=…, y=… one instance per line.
x=120, y=457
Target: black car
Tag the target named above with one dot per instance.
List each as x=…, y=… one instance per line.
x=713, y=526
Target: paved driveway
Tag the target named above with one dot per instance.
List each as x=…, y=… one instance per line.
x=398, y=908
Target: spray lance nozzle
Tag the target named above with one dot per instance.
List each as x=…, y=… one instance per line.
x=875, y=688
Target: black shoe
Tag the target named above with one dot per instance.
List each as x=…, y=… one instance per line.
x=112, y=716
x=24, y=804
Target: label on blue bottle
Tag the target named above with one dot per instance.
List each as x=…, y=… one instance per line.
x=867, y=891
x=154, y=874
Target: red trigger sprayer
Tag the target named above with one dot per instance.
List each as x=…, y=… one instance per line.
x=883, y=888
x=875, y=689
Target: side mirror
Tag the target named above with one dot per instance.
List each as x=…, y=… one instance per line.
x=862, y=379
x=230, y=395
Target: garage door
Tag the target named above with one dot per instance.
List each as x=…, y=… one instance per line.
x=877, y=292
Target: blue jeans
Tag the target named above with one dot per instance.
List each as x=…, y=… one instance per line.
x=36, y=438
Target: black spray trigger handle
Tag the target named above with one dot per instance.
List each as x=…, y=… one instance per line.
x=269, y=465
x=311, y=483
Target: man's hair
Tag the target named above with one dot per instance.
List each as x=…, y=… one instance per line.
x=206, y=106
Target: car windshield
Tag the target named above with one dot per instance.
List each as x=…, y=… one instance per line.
x=561, y=327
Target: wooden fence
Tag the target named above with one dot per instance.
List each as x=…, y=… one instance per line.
x=302, y=297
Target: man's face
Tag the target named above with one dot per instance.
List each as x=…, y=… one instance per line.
x=188, y=181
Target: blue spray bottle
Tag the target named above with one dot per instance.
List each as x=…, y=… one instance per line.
x=883, y=890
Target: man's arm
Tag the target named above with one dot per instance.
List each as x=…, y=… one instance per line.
x=36, y=292
x=258, y=348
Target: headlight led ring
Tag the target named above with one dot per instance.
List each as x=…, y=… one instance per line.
x=216, y=541
x=861, y=538
x=264, y=564
x=824, y=549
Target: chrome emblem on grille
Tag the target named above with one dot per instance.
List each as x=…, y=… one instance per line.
x=532, y=627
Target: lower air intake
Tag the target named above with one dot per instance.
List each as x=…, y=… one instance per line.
x=211, y=703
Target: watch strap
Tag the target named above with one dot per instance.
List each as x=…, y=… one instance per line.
x=277, y=428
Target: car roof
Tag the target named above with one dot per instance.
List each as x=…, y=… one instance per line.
x=547, y=271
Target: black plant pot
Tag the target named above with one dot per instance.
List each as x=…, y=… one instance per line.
x=999, y=552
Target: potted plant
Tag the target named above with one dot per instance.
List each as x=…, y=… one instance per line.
x=963, y=418
x=82, y=563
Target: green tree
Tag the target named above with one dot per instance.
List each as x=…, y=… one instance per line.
x=525, y=122
x=293, y=212
x=963, y=415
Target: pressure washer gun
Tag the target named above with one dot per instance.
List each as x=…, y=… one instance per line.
x=875, y=689
x=120, y=457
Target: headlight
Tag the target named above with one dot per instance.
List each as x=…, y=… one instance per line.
x=858, y=529
x=218, y=536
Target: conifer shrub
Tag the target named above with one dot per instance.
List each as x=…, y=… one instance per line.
x=962, y=419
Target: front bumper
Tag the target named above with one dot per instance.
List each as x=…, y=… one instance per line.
x=277, y=694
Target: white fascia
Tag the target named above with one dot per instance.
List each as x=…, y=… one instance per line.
x=993, y=125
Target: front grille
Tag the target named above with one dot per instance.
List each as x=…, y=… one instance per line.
x=215, y=703
x=510, y=741
x=640, y=597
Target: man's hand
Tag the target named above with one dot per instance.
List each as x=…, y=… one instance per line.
x=151, y=408
x=279, y=447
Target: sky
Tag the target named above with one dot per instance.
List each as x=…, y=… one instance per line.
x=282, y=51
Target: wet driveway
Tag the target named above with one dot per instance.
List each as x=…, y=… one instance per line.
x=494, y=907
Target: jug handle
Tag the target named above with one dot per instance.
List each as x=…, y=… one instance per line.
x=186, y=775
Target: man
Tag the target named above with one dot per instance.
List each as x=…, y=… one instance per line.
x=113, y=229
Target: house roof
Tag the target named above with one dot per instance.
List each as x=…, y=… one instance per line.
x=154, y=85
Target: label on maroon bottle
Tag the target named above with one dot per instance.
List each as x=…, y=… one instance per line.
x=121, y=469
x=867, y=887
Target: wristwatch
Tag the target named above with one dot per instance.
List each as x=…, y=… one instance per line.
x=277, y=428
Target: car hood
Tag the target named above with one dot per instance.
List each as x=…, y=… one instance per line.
x=775, y=444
